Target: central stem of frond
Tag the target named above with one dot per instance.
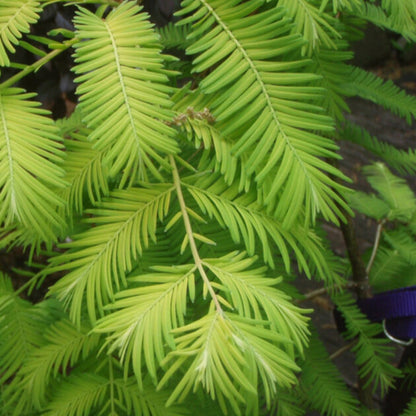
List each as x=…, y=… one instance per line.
x=190, y=234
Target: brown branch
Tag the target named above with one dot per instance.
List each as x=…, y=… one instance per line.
x=359, y=273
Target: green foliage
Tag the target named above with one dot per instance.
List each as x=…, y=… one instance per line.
x=396, y=200
x=165, y=220
x=30, y=166
x=411, y=408
x=402, y=161
x=15, y=20
x=123, y=224
x=316, y=27
x=390, y=15
x=134, y=104
x=266, y=101
x=394, y=264
x=370, y=87
x=373, y=353
x=321, y=385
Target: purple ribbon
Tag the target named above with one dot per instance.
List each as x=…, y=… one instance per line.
x=397, y=308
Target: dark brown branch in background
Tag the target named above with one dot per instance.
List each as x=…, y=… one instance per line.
x=359, y=274
x=360, y=278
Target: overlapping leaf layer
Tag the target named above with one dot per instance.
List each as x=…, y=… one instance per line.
x=179, y=201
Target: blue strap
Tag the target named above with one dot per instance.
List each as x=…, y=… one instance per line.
x=397, y=308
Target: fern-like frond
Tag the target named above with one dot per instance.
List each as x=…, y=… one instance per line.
x=147, y=402
x=403, y=14
x=79, y=394
x=379, y=17
x=410, y=408
x=30, y=171
x=404, y=242
x=266, y=105
x=86, y=171
x=71, y=124
x=344, y=5
x=122, y=53
x=315, y=26
x=372, y=353
x=330, y=65
x=63, y=347
x=248, y=222
x=394, y=266
x=371, y=87
x=389, y=271
x=369, y=205
x=173, y=36
x=98, y=259
x=229, y=356
x=107, y=391
x=198, y=129
x=393, y=190
x=21, y=328
x=287, y=402
x=142, y=317
x=253, y=295
x=10, y=236
x=198, y=125
x=322, y=385
x=15, y=19
x=401, y=160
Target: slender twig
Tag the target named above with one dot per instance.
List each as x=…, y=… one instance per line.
x=343, y=349
x=324, y=290
x=375, y=246
x=190, y=234
x=38, y=64
x=315, y=293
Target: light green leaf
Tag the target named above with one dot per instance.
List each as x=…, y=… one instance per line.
x=249, y=223
x=15, y=19
x=265, y=101
x=393, y=190
x=30, y=172
x=86, y=172
x=122, y=53
x=228, y=356
x=316, y=26
x=142, y=317
x=369, y=205
x=79, y=394
x=99, y=258
x=253, y=295
x=63, y=347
